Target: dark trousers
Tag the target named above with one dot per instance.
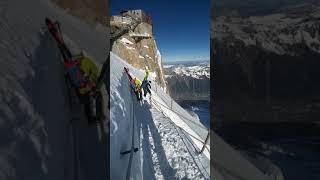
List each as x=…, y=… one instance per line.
x=139, y=95
x=146, y=91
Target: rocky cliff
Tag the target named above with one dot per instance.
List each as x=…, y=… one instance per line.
x=267, y=67
x=136, y=44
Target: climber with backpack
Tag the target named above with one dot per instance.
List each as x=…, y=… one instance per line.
x=137, y=89
x=83, y=74
x=146, y=86
x=146, y=75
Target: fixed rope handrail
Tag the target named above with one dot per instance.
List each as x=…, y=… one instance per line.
x=203, y=143
x=196, y=151
x=192, y=121
x=178, y=127
x=182, y=128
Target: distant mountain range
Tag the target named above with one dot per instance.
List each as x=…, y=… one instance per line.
x=188, y=80
x=267, y=66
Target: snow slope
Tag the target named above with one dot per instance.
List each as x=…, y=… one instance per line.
x=165, y=151
x=37, y=139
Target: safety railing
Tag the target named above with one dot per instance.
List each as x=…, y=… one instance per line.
x=170, y=104
x=189, y=141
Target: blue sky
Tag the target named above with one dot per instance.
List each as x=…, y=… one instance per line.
x=181, y=28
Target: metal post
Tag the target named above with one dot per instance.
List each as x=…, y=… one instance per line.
x=205, y=142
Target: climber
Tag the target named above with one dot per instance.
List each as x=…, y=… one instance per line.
x=83, y=74
x=137, y=88
x=146, y=86
x=146, y=74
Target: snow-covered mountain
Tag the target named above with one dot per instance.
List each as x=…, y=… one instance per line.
x=264, y=62
x=38, y=139
x=188, y=79
x=280, y=33
x=197, y=70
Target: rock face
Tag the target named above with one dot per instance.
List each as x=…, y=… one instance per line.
x=188, y=81
x=90, y=10
x=138, y=46
x=267, y=67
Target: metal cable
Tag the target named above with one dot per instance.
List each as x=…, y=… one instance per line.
x=199, y=125
x=182, y=128
x=178, y=127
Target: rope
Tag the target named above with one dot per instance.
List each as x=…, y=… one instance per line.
x=182, y=128
x=195, y=138
x=178, y=127
x=193, y=156
x=197, y=124
x=189, y=140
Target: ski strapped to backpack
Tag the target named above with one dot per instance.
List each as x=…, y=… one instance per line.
x=93, y=100
x=55, y=31
x=126, y=70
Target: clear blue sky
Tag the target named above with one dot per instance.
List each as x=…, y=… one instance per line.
x=181, y=28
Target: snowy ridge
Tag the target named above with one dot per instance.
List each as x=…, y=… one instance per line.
x=276, y=33
x=199, y=71
x=163, y=153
